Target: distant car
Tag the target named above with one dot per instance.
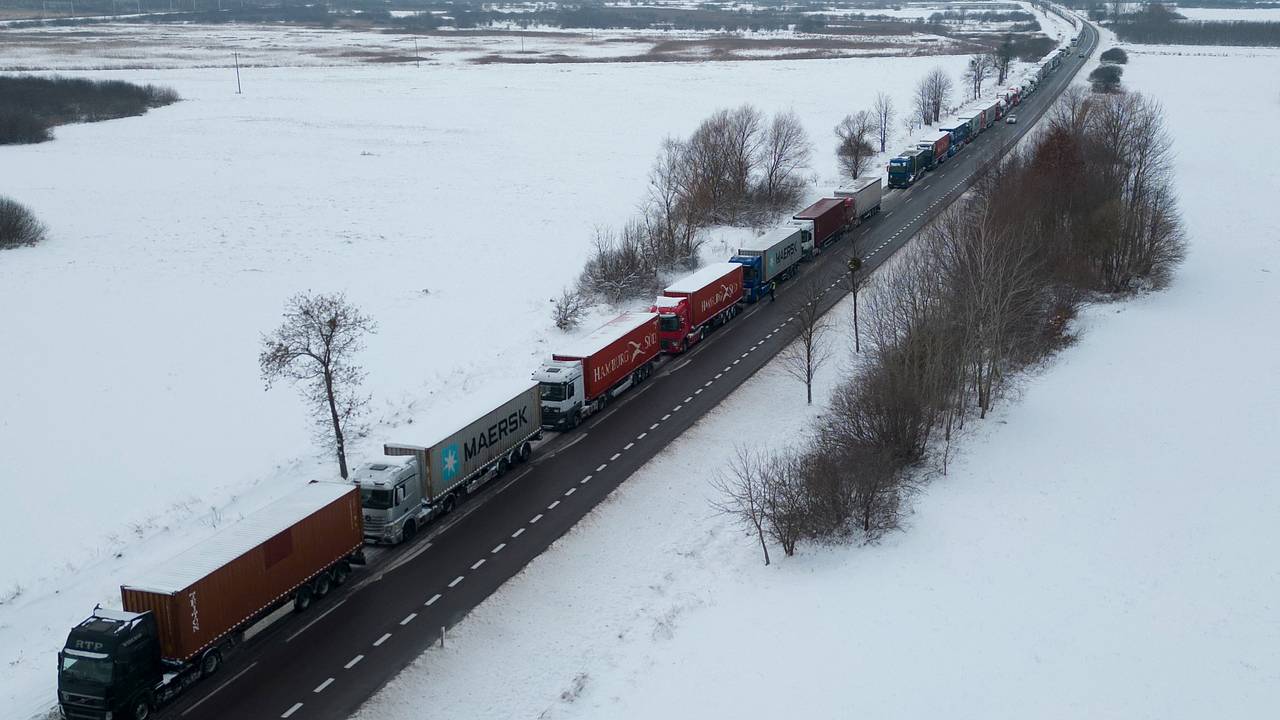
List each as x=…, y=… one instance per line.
x=1081, y=54
x=1012, y=120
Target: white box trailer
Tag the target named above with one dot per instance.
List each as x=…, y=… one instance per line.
x=866, y=192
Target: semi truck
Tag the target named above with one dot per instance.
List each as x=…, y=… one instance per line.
x=958, y=130
x=866, y=195
x=423, y=482
x=905, y=169
x=972, y=117
x=770, y=258
x=181, y=618
x=936, y=146
x=584, y=376
x=696, y=304
x=825, y=221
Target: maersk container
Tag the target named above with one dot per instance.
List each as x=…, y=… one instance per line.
x=866, y=193
x=710, y=291
x=830, y=217
x=201, y=596
x=614, y=350
x=776, y=252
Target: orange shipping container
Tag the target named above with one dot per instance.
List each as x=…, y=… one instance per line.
x=230, y=579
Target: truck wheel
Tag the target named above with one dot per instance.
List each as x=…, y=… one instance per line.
x=210, y=663
x=302, y=600
x=526, y=450
x=142, y=708
x=321, y=585
x=575, y=419
x=504, y=465
x=410, y=529
x=341, y=572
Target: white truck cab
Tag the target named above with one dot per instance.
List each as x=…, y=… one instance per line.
x=806, y=237
x=391, y=495
x=564, y=396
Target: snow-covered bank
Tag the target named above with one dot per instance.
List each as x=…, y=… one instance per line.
x=1104, y=546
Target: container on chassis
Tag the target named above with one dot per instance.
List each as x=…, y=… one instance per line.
x=958, y=130
x=398, y=499
x=995, y=111
x=698, y=303
x=581, y=378
x=972, y=118
x=181, y=617
x=831, y=217
x=936, y=146
x=767, y=259
x=866, y=194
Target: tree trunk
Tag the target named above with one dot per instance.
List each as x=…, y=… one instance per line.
x=339, y=442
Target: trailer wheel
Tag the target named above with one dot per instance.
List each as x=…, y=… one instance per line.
x=210, y=662
x=302, y=600
x=322, y=585
x=341, y=572
x=142, y=708
x=526, y=450
x=504, y=464
x=450, y=502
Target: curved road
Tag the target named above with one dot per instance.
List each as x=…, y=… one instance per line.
x=322, y=665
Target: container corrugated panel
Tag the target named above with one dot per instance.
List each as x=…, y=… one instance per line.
x=205, y=593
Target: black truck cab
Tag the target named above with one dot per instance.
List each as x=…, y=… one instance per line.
x=109, y=667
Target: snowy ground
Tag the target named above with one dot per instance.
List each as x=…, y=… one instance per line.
x=1105, y=545
x=1264, y=14
x=133, y=410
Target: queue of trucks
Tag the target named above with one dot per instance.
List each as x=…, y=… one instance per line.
x=179, y=621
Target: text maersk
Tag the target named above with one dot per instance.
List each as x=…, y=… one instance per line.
x=504, y=427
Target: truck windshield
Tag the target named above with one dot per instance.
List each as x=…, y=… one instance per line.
x=90, y=670
x=668, y=323
x=376, y=499
x=554, y=392
x=748, y=275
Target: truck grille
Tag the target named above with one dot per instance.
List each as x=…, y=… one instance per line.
x=86, y=707
x=374, y=526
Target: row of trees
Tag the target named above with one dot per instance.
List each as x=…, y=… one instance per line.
x=32, y=105
x=985, y=291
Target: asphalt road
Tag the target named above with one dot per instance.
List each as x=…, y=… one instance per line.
x=323, y=664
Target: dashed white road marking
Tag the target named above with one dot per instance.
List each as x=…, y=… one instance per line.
x=385, y=636
x=664, y=418
x=352, y=662
x=707, y=383
x=689, y=399
x=602, y=467
x=628, y=446
x=676, y=408
x=570, y=491
x=615, y=457
x=292, y=710
x=653, y=427
x=434, y=598
x=698, y=391
x=408, y=618
x=535, y=518
x=455, y=581
x=323, y=685
x=735, y=362
x=585, y=480
x=477, y=564
x=499, y=547
x=517, y=533
x=642, y=436
x=553, y=505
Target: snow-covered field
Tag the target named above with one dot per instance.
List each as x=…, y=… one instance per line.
x=449, y=202
x=1106, y=544
x=1263, y=14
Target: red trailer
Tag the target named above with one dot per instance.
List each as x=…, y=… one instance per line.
x=830, y=218
x=203, y=595
x=693, y=305
x=614, y=351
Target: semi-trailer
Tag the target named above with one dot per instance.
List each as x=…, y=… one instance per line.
x=905, y=169
x=826, y=221
x=400, y=497
x=866, y=195
x=972, y=117
x=581, y=379
x=696, y=304
x=936, y=146
x=958, y=130
x=182, y=617
x=768, y=259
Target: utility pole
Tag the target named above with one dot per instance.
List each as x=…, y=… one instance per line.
x=236, y=55
x=855, y=264
x=416, y=62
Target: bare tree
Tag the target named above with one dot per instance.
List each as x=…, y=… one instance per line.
x=977, y=72
x=809, y=351
x=1003, y=57
x=853, y=149
x=884, y=113
x=937, y=85
x=922, y=104
x=315, y=348
x=785, y=151
x=568, y=309
x=18, y=225
x=741, y=491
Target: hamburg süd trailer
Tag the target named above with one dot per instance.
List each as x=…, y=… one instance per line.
x=582, y=377
x=696, y=304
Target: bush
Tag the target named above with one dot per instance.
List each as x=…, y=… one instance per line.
x=18, y=226
x=1106, y=79
x=35, y=104
x=20, y=128
x=1115, y=55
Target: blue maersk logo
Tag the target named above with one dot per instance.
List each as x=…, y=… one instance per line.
x=449, y=463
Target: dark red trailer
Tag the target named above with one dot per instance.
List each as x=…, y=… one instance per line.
x=830, y=218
